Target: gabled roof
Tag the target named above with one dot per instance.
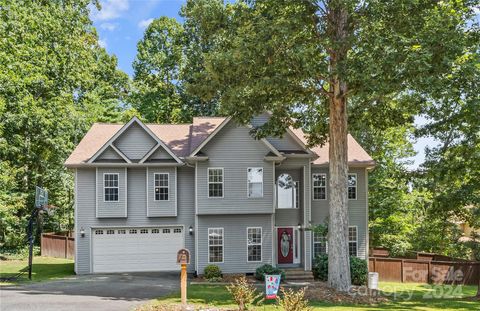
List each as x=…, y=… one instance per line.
x=124, y=128
x=357, y=156
x=178, y=138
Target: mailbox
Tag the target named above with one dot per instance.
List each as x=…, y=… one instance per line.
x=183, y=257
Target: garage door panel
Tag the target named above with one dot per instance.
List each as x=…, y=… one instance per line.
x=136, y=249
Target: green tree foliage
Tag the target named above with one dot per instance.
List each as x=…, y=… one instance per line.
x=55, y=81
x=169, y=58
x=303, y=60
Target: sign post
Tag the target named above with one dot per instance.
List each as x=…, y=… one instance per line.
x=183, y=258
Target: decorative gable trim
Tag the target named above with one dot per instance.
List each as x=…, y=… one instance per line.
x=120, y=132
x=150, y=153
x=120, y=153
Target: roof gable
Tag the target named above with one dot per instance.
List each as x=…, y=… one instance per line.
x=134, y=130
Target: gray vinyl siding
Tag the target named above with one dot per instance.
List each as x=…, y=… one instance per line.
x=280, y=143
x=162, y=208
x=234, y=150
x=234, y=241
x=160, y=154
x=135, y=142
x=137, y=211
x=357, y=209
x=109, y=154
x=109, y=209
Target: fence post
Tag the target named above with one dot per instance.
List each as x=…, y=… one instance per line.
x=66, y=246
x=429, y=273
x=401, y=271
x=374, y=264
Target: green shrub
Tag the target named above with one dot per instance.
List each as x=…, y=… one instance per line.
x=268, y=269
x=212, y=272
x=320, y=267
x=243, y=293
x=358, y=269
x=292, y=300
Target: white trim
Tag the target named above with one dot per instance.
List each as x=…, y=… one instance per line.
x=96, y=192
x=151, y=152
x=195, y=231
x=306, y=177
x=367, y=233
x=126, y=193
x=313, y=186
x=147, y=186
x=123, y=129
x=356, y=186
x=117, y=187
x=274, y=238
x=155, y=187
x=176, y=191
x=210, y=136
x=274, y=190
x=248, y=183
x=124, y=157
x=356, y=240
x=255, y=244
x=75, y=224
x=223, y=245
x=208, y=182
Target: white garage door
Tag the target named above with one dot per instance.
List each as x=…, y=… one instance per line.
x=136, y=249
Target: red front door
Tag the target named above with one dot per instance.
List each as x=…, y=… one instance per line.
x=285, y=245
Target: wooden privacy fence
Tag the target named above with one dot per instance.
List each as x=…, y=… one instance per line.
x=60, y=246
x=425, y=271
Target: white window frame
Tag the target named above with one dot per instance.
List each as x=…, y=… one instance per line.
x=222, y=183
x=223, y=245
x=313, y=186
x=117, y=187
x=155, y=187
x=314, y=242
x=356, y=240
x=248, y=183
x=255, y=244
x=356, y=185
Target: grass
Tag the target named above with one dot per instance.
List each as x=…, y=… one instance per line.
x=44, y=268
x=409, y=296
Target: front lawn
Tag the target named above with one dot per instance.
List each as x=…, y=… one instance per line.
x=44, y=268
x=408, y=296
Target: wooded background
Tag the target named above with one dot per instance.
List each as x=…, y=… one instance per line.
x=56, y=81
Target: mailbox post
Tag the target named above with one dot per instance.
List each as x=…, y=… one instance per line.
x=183, y=258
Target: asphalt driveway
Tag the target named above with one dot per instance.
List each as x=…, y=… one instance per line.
x=91, y=292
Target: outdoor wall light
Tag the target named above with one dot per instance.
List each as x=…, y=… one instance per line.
x=190, y=230
x=82, y=232
x=299, y=227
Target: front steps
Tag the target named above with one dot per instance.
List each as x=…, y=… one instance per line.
x=298, y=274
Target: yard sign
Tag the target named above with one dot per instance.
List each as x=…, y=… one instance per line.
x=272, y=283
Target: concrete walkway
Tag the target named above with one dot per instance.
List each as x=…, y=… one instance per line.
x=92, y=292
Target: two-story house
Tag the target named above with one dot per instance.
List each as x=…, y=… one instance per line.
x=143, y=191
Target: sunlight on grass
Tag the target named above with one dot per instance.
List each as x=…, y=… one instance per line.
x=44, y=268
x=409, y=296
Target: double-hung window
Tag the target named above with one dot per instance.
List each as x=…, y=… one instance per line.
x=319, y=186
x=319, y=244
x=161, y=184
x=254, y=244
x=215, y=245
x=110, y=187
x=352, y=186
x=255, y=182
x=352, y=241
x=215, y=182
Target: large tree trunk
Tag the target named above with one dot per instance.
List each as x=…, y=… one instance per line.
x=338, y=257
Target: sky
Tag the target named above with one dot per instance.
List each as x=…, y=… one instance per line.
x=121, y=23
